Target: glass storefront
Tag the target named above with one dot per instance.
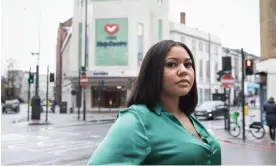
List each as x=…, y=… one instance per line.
x=108, y=97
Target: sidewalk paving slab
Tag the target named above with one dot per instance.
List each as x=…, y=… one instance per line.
x=62, y=120
x=265, y=142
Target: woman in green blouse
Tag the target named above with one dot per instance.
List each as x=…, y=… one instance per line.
x=158, y=127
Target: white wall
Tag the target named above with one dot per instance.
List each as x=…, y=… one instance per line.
x=269, y=67
x=142, y=11
x=193, y=38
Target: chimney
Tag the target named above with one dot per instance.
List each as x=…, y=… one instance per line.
x=182, y=17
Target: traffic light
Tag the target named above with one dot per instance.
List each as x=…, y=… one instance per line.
x=83, y=70
x=226, y=64
x=219, y=75
x=52, y=77
x=31, y=78
x=249, y=67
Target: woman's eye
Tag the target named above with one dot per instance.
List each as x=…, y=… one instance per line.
x=171, y=64
x=188, y=64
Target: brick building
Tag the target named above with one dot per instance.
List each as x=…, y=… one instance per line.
x=61, y=34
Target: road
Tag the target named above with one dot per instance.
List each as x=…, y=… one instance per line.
x=74, y=145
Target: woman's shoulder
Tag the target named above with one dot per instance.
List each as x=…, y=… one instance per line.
x=139, y=109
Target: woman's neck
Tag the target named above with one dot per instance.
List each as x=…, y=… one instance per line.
x=170, y=104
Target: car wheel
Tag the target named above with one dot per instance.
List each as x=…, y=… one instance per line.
x=211, y=117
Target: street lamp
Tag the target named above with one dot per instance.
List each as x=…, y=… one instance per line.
x=36, y=101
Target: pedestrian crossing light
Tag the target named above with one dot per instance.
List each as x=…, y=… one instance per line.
x=31, y=78
x=52, y=77
x=249, y=67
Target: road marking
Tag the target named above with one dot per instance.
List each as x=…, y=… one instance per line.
x=59, y=152
x=29, y=144
x=62, y=132
x=95, y=136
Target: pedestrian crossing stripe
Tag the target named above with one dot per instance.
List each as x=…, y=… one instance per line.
x=41, y=144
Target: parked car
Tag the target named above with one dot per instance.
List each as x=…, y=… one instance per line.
x=211, y=109
x=11, y=105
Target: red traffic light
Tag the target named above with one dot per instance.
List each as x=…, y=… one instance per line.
x=248, y=63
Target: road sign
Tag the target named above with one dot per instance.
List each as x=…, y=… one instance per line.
x=227, y=80
x=83, y=80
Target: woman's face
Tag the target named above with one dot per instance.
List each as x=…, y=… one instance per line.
x=178, y=76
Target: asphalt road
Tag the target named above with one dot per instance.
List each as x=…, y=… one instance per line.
x=74, y=146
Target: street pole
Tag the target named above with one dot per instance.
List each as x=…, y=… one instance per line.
x=85, y=58
x=210, y=90
x=38, y=58
x=242, y=95
x=29, y=95
x=36, y=101
x=79, y=96
x=47, y=89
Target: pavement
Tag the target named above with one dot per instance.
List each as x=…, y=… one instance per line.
x=13, y=122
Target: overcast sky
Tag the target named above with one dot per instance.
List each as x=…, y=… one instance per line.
x=235, y=21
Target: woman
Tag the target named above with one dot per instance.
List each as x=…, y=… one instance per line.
x=158, y=127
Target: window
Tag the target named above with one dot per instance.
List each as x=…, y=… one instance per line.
x=200, y=96
x=207, y=47
x=201, y=69
x=182, y=39
x=208, y=70
x=193, y=44
x=200, y=46
x=215, y=49
x=160, y=29
x=80, y=3
x=140, y=29
x=206, y=94
x=216, y=70
x=140, y=43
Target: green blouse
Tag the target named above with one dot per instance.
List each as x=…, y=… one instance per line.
x=142, y=137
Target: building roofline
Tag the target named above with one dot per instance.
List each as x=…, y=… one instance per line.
x=67, y=38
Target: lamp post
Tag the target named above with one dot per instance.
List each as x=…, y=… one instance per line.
x=36, y=101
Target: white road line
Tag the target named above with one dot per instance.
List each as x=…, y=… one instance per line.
x=62, y=147
x=62, y=132
x=59, y=152
x=28, y=144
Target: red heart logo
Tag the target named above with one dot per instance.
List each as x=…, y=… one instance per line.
x=111, y=28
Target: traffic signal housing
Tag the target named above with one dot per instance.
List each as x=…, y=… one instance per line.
x=52, y=77
x=31, y=78
x=219, y=75
x=249, y=67
x=227, y=64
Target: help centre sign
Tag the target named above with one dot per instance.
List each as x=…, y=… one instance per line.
x=111, y=42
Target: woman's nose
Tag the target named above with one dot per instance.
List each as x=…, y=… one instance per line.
x=182, y=70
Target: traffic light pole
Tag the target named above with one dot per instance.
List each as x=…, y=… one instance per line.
x=79, y=96
x=242, y=95
x=85, y=58
x=47, y=89
x=29, y=95
x=209, y=52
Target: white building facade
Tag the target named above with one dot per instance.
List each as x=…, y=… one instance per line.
x=119, y=34
x=206, y=49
